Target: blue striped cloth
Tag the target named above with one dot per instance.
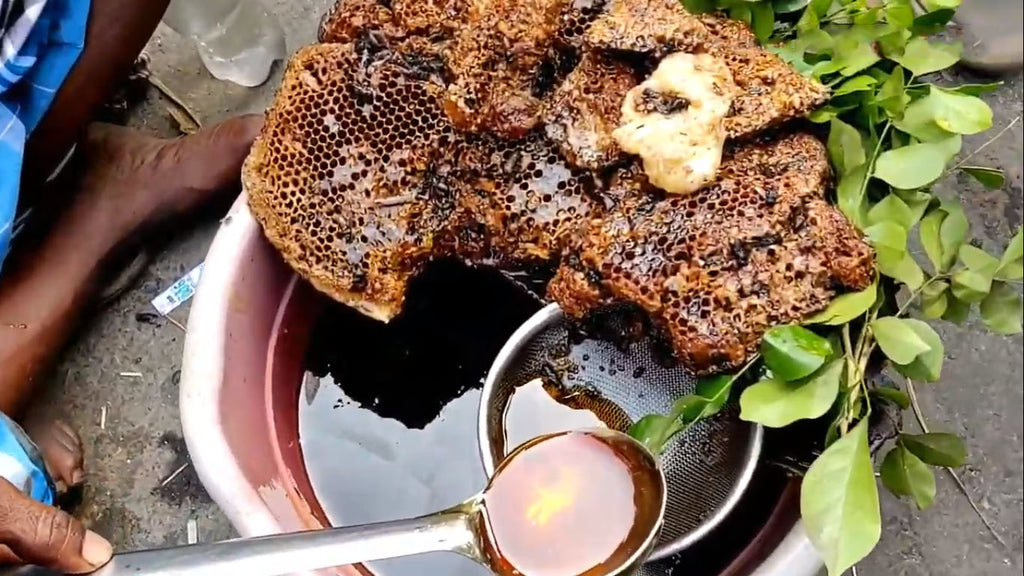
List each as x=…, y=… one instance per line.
x=40, y=40
x=22, y=465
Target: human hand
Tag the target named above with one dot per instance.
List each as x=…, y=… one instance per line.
x=33, y=533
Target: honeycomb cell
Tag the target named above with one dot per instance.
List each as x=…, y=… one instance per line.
x=495, y=59
x=581, y=115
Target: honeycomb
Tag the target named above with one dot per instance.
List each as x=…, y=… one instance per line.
x=494, y=61
x=576, y=19
x=349, y=19
x=363, y=174
x=584, y=111
x=650, y=26
x=715, y=270
x=347, y=181
x=429, y=16
x=771, y=91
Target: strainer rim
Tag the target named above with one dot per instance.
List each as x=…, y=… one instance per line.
x=534, y=325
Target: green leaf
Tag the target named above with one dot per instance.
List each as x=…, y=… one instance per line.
x=700, y=6
x=917, y=165
x=934, y=300
x=655, y=430
x=906, y=475
x=1011, y=265
x=853, y=53
x=1001, y=309
x=899, y=14
x=894, y=395
x=894, y=43
x=839, y=502
x=652, y=431
x=936, y=448
x=978, y=260
x=823, y=115
x=820, y=7
x=944, y=112
x=900, y=266
x=952, y=233
x=976, y=89
x=792, y=352
x=960, y=113
x=917, y=201
x=929, y=231
x=850, y=195
x=957, y=311
x=825, y=67
x=775, y=403
x=713, y=393
x=891, y=95
x=740, y=11
x=991, y=178
x=892, y=209
x=856, y=84
x=933, y=5
x=970, y=286
x=762, y=19
x=845, y=148
x=973, y=283
x=867, y=17
x=887, y=235
x=923, y=57
x=932, y=22
x=808, y=22
x=927, y=367
x=846, y=307
x=898, y=339
x=787, y=6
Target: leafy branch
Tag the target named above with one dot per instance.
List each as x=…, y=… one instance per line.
x=952, y=473
x=891, y=136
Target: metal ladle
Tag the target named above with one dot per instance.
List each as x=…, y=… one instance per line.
x=461, y=529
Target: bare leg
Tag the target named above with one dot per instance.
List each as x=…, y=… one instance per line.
x=131, y=184
x=118, y=31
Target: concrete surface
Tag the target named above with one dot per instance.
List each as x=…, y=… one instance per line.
x=128, y=369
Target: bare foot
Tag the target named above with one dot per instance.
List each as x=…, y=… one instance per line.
x=127, y=188
x=61, y=448
x=132, y=182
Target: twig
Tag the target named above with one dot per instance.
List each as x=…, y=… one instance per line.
x=174, y=475
x=176, y=323
x=983, y=146
x=963, y=488
x=159, y=85
x=130, y=375
x=395, y=200
x=185, y=124
x=103, y=417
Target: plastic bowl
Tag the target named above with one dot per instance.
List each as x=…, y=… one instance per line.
x=241, y=374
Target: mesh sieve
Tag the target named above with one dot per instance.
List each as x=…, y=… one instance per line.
x=708, y=467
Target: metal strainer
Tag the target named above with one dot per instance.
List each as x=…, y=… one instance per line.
x=708, y=467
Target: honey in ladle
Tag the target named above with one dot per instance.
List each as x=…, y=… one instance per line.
x=577, y=504
x=540, y=407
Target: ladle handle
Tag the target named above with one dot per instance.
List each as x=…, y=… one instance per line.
x=302, y=551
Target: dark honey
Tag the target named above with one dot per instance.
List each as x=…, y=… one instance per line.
x=571, y=505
